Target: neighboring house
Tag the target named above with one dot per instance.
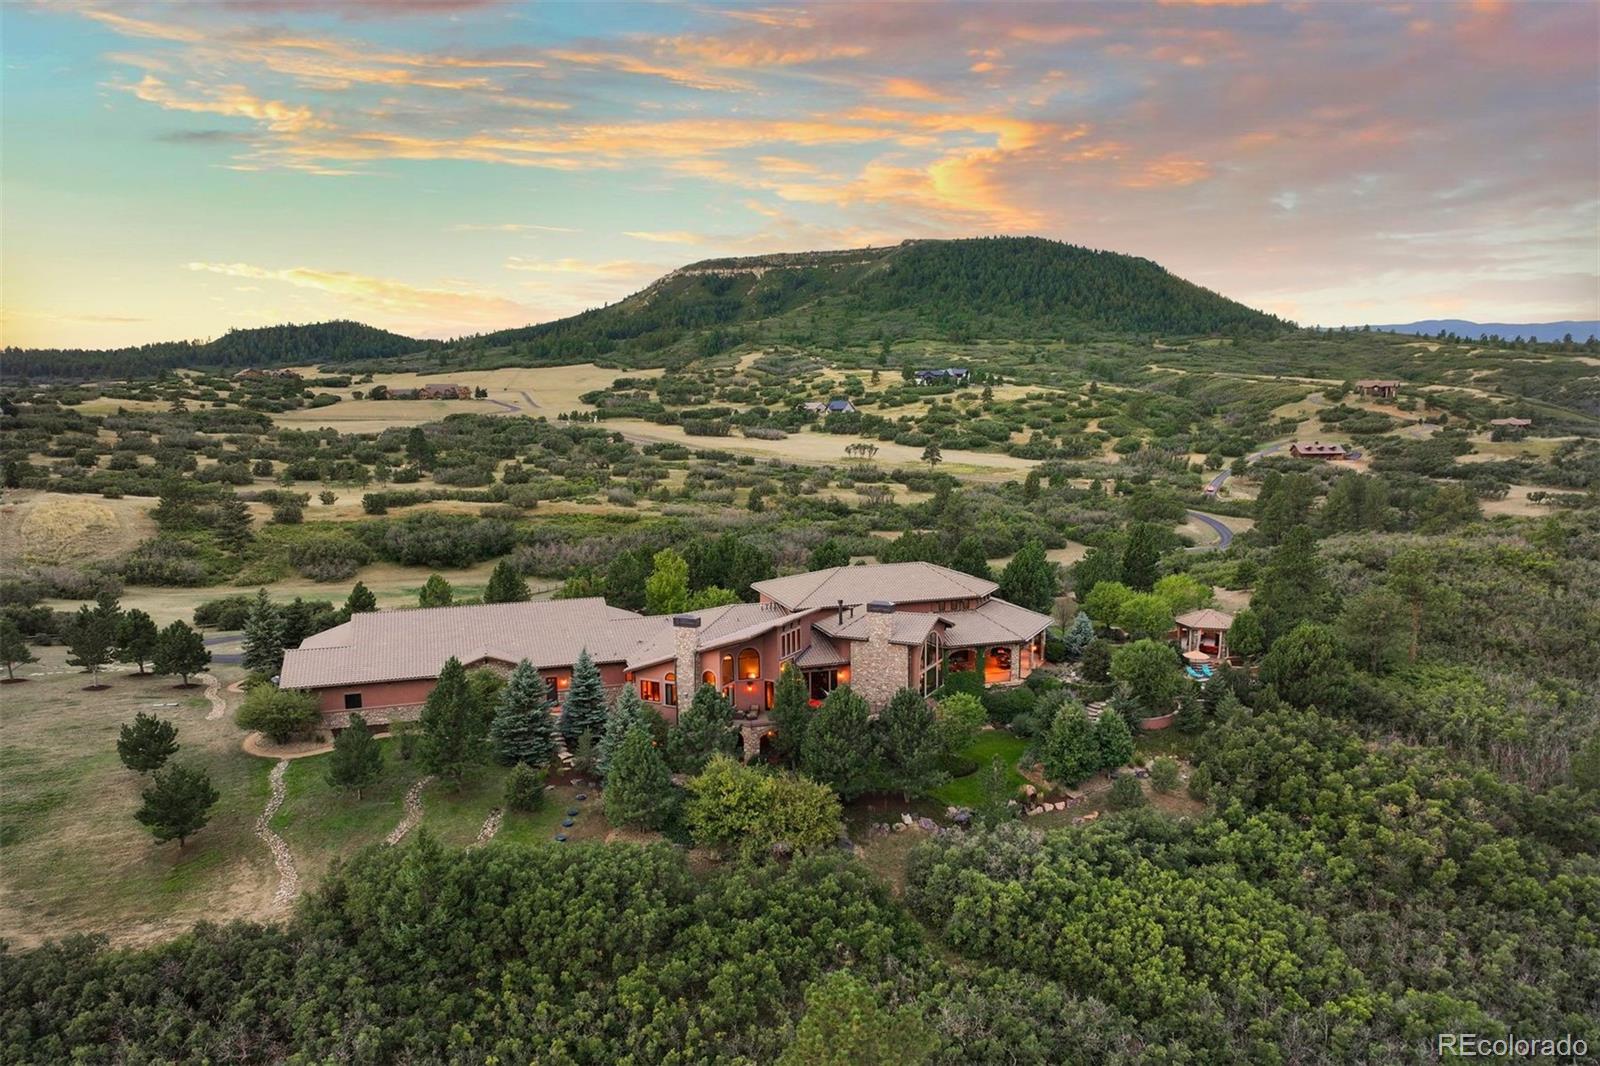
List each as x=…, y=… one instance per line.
x=403, y=394
x=1316, y=449
x=950, y=375
x=256, y=374
x=879, y=628
x=445, y=392
x=1381, y=389
x=1511, y=427
x=828, y=407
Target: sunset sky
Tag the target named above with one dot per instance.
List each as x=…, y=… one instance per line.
x=441, y=167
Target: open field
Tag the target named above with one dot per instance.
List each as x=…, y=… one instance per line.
x=58, y=528
x=828, y=448
x=533, y=391
x=72, y=859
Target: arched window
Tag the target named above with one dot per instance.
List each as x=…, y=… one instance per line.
x=749, y=664
x=727, y=668
x=708, y=678
x=671, y=697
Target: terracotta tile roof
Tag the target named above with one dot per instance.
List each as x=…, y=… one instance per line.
x=412, y=644
x=1205, y=618
x=995, y=622
x=718, y=626
x=906, y=627
x=820, y=653
x=894, y=582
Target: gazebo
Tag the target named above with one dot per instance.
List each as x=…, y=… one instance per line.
x=1203, y=635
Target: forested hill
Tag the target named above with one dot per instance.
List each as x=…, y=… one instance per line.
x=268, y=346
x=1011, y=287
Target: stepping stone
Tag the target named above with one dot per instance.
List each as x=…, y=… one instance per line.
x=580, y=797
x=566, y=823
x=561, y=838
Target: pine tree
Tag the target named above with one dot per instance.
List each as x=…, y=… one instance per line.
x=14, y=650
x=524, y=788
x=1293, y=588
x=1141, y=557
x=844, y=1025
x=1030, y=579
x=909, y=739
x=146, y=743
x=523, y=729
x=263, y=637
x=1114, y=740
x=436, y=592
x=627, y=711
x=838, y=749
x=828, y=554
x=361, y=601
x=356, y=760
x=639, y=788
x=583, y=712
x=791, y=713
x=181, y=651
x=969, y=558
x=1070, y=751
x=505, y=585
x=230, y=521
x=177, y=804
x=452, y=726
x=1078, y=635
x=704, y=729
x=91, y=637
x=137, y=637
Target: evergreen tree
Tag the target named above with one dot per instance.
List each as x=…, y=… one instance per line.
x=91, y=638
x=1246, y=637
x=844, y=1025
x=1099, y=565
x=1114, y=740
x=452, y=725
x=1141, y=557
x=1293, y=587
x=263, y=637
x=14, y=650
x=583, y=712
x=639, y=787
x=666, y=591
x=230, y=522
x=932, y=454
x=838, y=749
x=177, y=804
x=361, y=601
x=506, y=585
x=356, y=760
x=146, y=743
x=791, y=713
x=1030, y=579
x=137, y=637
x=705, y=728
x=969, y=558
x=181, y=651
x=436, y=592
x=524, y=788
x=1070, y=751
x=627, y=711
x=1030, y=486
x=909, y=740
x=828, y=554
x=1078, y=635
x=1308, y=667
x=523, y=729
x=995, y=792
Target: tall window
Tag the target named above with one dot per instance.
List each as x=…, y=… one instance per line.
x=727, y=668
x=932, y=663
x=650, y=691
x=789, y=641
x=749, y=664
x=671, y=687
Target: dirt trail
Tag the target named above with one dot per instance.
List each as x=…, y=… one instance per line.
x=219, y=706
x=413, y=812
x=491, y=826
x=288, y=876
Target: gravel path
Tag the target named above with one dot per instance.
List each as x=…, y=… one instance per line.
x=413, y=814
x=219, y=706
x=288, y=876
x=491, y=826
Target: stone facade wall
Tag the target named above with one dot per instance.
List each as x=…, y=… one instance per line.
x=878, y=669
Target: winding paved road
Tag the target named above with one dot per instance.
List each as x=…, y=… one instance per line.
x=1224, y=534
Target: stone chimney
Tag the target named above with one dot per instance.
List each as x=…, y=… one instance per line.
x=686, y=640
x=877, y=667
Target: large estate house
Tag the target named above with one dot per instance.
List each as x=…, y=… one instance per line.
x=878, y=628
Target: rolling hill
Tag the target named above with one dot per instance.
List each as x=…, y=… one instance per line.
x=998, y=287
x=1578, y=330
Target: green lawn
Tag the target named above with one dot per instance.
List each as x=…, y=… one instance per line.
x=968, y=791
x=455, y=815
x=541, y=826
x=321, y=824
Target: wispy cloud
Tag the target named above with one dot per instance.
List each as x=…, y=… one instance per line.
x=383, y=294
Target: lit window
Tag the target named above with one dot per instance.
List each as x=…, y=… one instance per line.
x=650, y=691
x=671, y=689
x=708, y=678
x=749, y=664
x=727, y=668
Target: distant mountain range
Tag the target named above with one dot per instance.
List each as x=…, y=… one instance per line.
x=1542, y=331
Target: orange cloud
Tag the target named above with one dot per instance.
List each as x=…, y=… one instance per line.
x=384, y=294
x=912, y=89
x=232, y=100
x=1168, y=172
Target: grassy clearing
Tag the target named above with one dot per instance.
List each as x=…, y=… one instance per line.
x=72, y=859
x=321, y=824
x=968, y=791
x=541, y=826
x=57, y=527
